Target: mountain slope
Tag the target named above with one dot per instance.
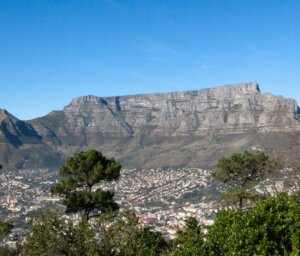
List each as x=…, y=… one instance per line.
x=21, y=146
x=192, y=128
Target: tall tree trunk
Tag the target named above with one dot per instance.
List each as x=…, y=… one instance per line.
x=241, y=202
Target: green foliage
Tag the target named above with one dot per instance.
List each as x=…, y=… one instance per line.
x=125, y=237
x=79, y=174
x=236, y=196
x=270, y=228
x=5, y=228
x=51, y=236
x=240, y=168
x=190, y=242
x=88, y=201
x=239, y=171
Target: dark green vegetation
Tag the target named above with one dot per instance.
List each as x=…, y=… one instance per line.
x=80, y=174
x=189, y=241
x=272, y=227
x=51, y=236
x=127, y=237
x=240, y=171
x=269, y=226
x=5, y=228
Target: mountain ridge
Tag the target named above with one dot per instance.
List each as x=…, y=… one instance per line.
x=250, y=86
x=188, y=128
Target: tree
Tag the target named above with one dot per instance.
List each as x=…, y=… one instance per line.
x=50, y=236
x=272, y=227
x=239, y=171
x=125, y=237
x=79, y=176
x=5, y=228
x=190, y=242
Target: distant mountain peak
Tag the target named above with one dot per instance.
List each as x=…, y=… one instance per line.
x=4, y=114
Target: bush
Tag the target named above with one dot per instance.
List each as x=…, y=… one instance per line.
x=270, y=228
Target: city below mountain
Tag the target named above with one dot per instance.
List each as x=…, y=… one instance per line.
x=177, y=129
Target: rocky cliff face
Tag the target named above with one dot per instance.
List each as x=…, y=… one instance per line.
x=191, y=128
x=21, y=146
x=229, y=109
x=15, y=132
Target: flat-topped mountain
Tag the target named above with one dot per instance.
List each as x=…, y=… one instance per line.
x=192, y=128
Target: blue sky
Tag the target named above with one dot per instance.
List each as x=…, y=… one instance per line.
x=52, y=51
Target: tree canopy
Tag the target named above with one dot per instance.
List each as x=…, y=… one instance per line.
x=51, y=236
x=127, y=237
x=239, y=171
x=79, y=176
x=272, y=227
x=190, y=241
x=5, y=228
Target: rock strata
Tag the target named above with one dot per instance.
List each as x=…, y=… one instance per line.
x=191, y=128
